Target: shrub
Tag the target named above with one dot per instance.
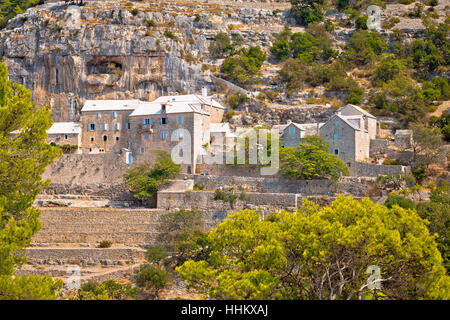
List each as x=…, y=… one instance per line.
x=156, y=254
x=226, y=196
x=135, y=11
x=220, y=46
x=151, y=23
x=169, y=34
x=403, y=202
x=153, y=278
x=105, y=244
x=108, y=290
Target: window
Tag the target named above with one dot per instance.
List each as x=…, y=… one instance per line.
x=163, y=107
x=105, y=138
x=142, y=150
x=180, y=151
x=105, y=126
x=147, y=136
x=180, y=135
x=336, y=122
x=128, y=125
x=117, y=126
x=99, y=115
x=336, y=152
x=66, y=137
x=117, y=138
x=164, y=121
x=147, y=121
x=114, y=114
x=163, y=135
x=336, y=136
x=92, y=139
x=180, y=119
x=92, y=127
x=291, y=130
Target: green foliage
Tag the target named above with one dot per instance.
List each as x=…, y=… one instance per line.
x=320, y=254
x=24, y=155
x=151, y=23
x=313, y=45
x=108, y=290
x=361, y=22
x=400, y=201
x=364, y=47
x=144, y=181
x=443, y=123
x=29, y=288
x=244, y=67
x=226, y=196
x=105, y=244
x=419, y=173
x=153, y=278
x=311, y=160
x=156, y=254
x=134, y=11
x=402, y=98
x=389, y=68
x=427, y=142
x=182, y=233
x=395, y=181
x=437, y=212
x=237, y=99
x=220, y=46
x=307, y=11
x=169, y=34
x=10, y=8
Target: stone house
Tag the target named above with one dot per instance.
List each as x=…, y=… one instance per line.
x=105, y=125
x=291, y=134
x=65, y=133
x=167, y=126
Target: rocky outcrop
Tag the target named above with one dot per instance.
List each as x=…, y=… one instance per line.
x=110, y=50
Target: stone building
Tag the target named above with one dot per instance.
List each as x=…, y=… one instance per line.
x=105, y=125
x=141, y=127
x=65, y=133
x=348, y=132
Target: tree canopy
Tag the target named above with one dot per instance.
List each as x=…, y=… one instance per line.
x=24, y=155
x=321, y=254
x=144, y=180
x=311, y=159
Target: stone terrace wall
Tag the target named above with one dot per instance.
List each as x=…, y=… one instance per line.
x=204, y=200
x=92, y=225
x=375, y=170
x=351, y=185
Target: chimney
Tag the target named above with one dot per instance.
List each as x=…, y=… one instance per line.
x=204, y=91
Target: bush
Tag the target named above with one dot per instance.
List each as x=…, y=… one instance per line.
x=153, y=278
x=419, y=173
x=361, y=22
x=220, y=46
x=400, y=201
x=151, y=23
x=244, y=68
x=105, y=244
x=135, y=11
x=169, y=34
x=226, y=196
x=156, y=254
x=108, y=290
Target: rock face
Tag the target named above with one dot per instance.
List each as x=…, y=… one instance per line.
x=109, y=50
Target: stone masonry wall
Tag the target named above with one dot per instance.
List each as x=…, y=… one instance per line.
x=204, y=200
x=352, y=185
x=122, y=226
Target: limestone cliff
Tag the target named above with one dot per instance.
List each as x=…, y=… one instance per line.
x=118, y=49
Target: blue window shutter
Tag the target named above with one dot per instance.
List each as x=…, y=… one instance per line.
x=150, y=121
x=143, y=121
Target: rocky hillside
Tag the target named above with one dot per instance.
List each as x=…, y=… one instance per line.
x=117, y=49
x=114, y=49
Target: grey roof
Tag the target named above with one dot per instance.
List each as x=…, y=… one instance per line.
x=191, y=99
x=155, y=108
x=360, y=110
x=110, y=105
x=64, y=128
